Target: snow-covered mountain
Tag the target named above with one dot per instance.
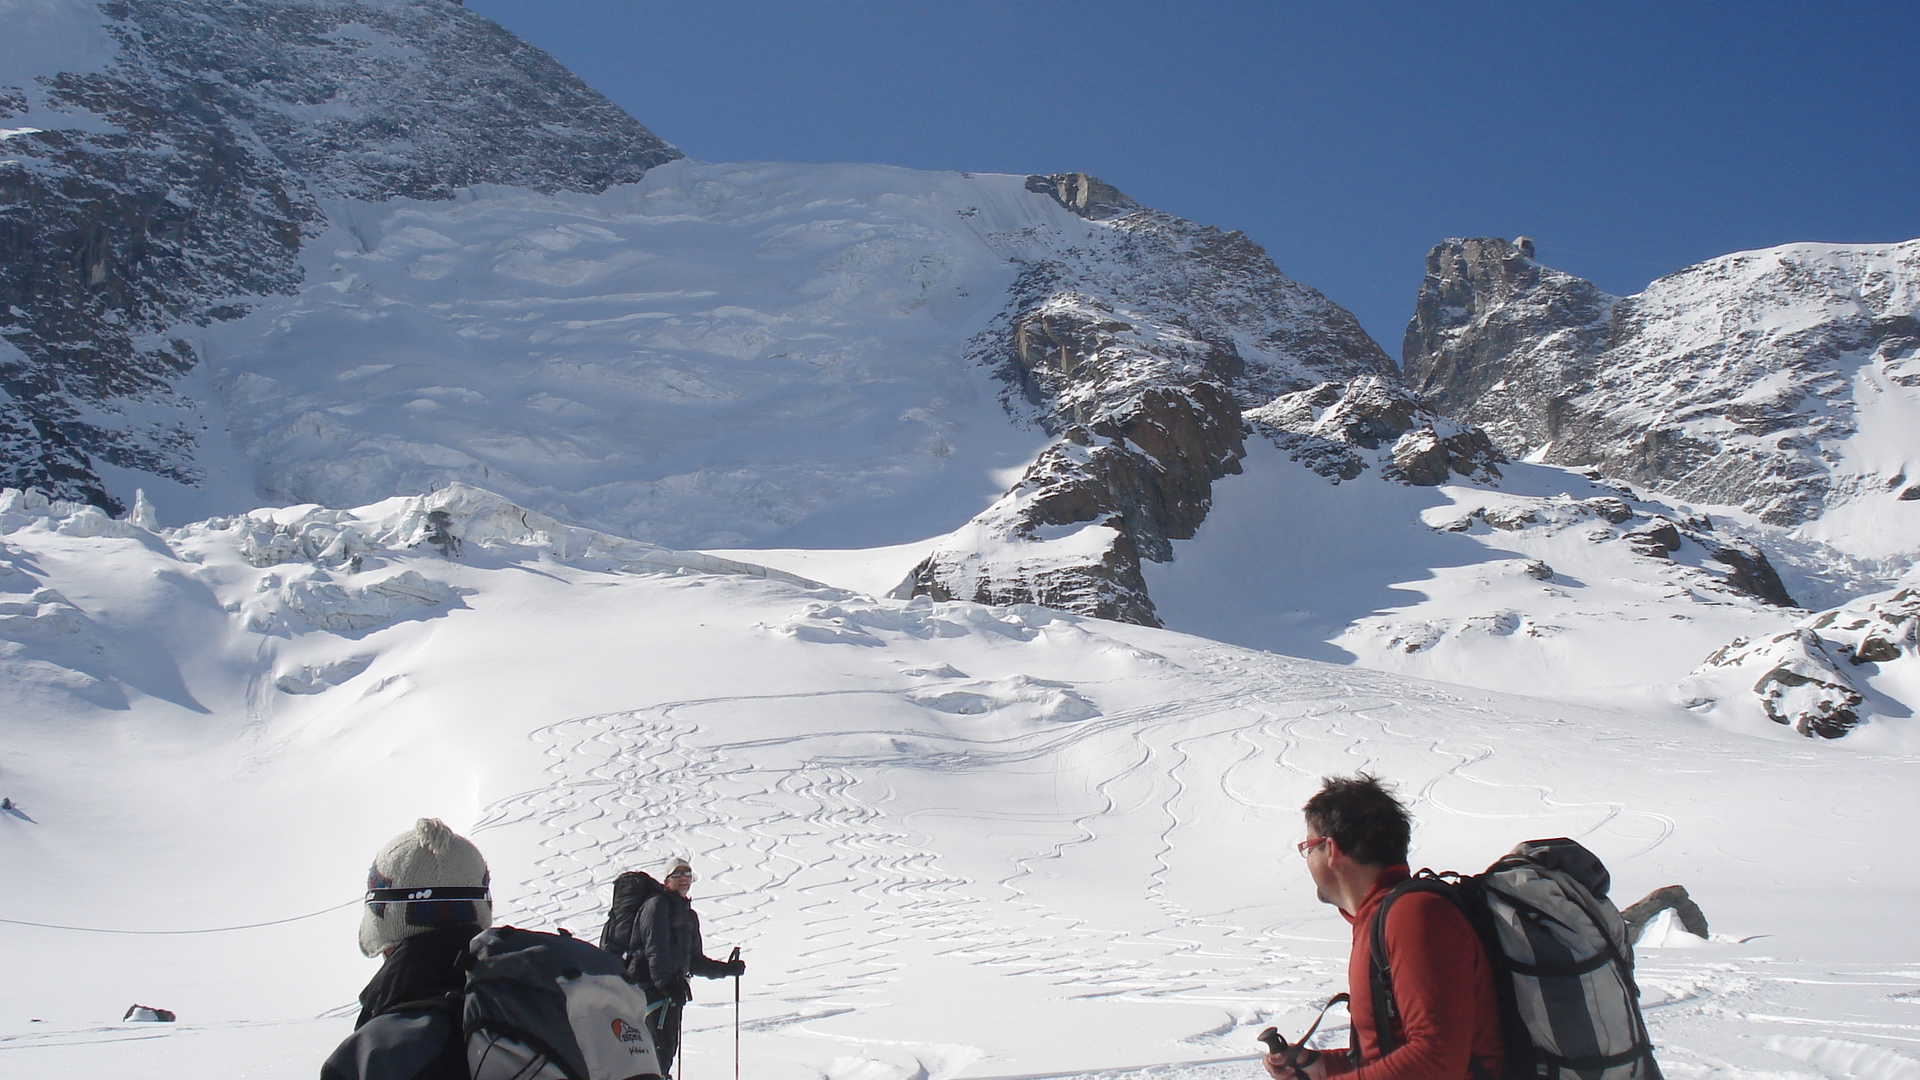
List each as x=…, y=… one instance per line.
x=1024, y=389
x=722, y=355
x=1784, y=382
x=1776, y=392
x=164, y=162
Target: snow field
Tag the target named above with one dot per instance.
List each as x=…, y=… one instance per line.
x=953, y=841
x=719, y=355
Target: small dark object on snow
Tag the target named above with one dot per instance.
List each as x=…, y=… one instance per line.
x=148, y=1014
x=1538, y=570
x=1674, y=897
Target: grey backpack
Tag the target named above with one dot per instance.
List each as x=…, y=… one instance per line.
x=551, y=1007
x=1562, y=964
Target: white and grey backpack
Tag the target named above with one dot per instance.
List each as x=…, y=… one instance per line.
x=551, y=1007
x=1562, y=964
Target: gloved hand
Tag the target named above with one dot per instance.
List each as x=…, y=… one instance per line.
x=735, y=967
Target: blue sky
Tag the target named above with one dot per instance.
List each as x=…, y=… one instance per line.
x=1629, y=139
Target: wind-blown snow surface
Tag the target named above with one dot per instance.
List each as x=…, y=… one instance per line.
x=718, y=355
x=954, y=841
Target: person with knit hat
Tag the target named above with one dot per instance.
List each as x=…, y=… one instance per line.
x=427, y=896
x=666, y=950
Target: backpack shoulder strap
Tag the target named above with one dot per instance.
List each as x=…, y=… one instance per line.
x=1386, y=1011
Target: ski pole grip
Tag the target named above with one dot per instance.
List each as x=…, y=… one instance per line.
x=1275, y=1044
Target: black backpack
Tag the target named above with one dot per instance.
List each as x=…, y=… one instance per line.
x=631, y=891
x=1562, y=964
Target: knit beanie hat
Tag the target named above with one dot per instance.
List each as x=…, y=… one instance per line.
x=425, y=878
x=676, y=863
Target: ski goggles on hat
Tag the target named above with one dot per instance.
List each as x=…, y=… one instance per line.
x=427, y=905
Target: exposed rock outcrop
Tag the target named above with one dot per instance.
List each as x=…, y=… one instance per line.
x=1735, y=381
x=1088, y=196
x=1330, y=428
x=1818, y=676
x=1672, y=898
x=1499, y=340
x=156, y=188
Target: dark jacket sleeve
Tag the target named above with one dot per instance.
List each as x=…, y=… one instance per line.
x=1438, y=967
x=698, y=962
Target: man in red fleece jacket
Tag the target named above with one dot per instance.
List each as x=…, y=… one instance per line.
x=1356, y=852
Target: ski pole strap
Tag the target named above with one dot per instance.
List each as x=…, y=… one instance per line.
x=1336, y=999
x=1298, y=1056
x=427, y=895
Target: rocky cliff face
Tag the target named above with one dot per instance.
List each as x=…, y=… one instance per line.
x=1776, y=380
x=1340, y=430
x=1141, y=347
x=179, y=172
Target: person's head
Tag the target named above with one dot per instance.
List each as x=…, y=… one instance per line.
x=1361, y=816
x=426, y=878
x=677, y=875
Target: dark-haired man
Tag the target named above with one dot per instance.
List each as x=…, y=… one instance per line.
x=1449, y=1027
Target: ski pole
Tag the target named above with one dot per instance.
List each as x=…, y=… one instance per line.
x=736, y=1015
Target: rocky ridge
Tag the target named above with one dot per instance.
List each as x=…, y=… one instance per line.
x=1340, y=430
x=1751, y=380
x=1141, y=348
x=154, y=190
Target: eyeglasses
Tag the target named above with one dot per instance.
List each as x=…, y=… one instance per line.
x=1305, y=846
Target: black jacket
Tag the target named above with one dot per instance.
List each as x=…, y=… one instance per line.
x=667, y=949
x=409, y=1026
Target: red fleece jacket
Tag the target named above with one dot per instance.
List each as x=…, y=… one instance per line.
x=1441, y=982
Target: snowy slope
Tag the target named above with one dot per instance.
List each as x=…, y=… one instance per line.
x=1523, y=586
x=954, y=841
x=717, y=355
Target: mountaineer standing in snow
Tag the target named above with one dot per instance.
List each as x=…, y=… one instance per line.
x=427, y=897
x=1448, y=1026
x=653, y=927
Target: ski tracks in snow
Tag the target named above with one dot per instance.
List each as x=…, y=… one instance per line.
x=841, y=855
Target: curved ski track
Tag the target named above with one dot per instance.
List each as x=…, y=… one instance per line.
x=813, y=841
